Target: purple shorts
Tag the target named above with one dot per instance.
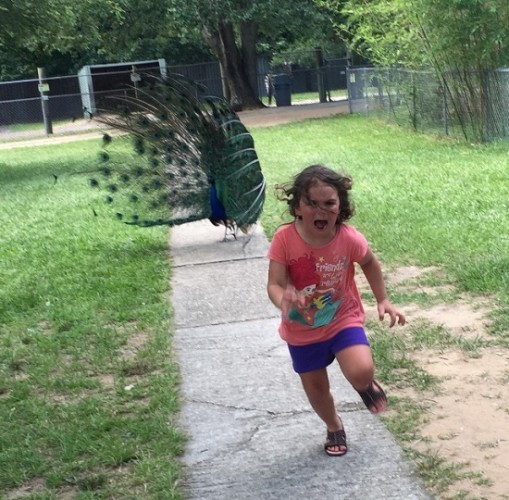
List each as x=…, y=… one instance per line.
x=307, y=358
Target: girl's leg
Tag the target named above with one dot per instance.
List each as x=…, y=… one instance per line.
x=356, y=363
x=317, y=389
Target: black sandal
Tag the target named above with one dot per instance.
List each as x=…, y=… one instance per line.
x=337, y=438
x=373, y=396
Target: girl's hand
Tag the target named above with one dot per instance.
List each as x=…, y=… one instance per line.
x=385, y=307
x=291, y=299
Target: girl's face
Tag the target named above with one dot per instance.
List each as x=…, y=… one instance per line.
x=307, y=291
x=318, y=213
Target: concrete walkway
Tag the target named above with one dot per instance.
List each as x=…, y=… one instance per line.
x=252, y=434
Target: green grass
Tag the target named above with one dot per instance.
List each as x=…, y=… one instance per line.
x=88, y=390
x=23, y=127
x=306, y=97
x=419, y=200
x=88, y=386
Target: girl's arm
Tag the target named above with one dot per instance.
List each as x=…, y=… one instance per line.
x=282, y=294
x=373, y=272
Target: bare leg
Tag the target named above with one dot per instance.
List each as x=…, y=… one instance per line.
x=317, y=388
x=357, y=366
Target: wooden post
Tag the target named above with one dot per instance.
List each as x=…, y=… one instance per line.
x=43, y=90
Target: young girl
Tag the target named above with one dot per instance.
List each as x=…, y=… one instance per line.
x=311, y=279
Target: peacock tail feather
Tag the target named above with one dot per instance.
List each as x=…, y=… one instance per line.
x=190, y=158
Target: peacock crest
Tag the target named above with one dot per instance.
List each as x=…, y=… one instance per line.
x=190, y=158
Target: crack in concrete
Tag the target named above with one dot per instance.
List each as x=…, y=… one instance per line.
x=345, y=408
x=247, y=409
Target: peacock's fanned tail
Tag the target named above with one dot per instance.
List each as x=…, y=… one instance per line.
x=192, y=158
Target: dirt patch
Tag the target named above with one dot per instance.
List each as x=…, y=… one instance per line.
x=37, y=487
x=467, y=421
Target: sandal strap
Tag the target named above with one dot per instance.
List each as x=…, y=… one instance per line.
x=372, y=395
x=337, y=438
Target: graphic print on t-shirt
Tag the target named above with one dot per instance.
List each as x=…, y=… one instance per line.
x=320, y=283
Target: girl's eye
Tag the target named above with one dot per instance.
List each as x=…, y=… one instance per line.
x=328, y=204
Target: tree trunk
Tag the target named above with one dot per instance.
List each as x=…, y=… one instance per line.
x=238, y=67
x=248, y=38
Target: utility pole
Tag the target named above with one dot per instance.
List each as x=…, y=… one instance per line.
x=43, y=90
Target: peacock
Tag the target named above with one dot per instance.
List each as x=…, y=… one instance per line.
x=191, y=158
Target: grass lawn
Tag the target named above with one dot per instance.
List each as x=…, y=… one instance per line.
x=88, y=387
x=307, y=97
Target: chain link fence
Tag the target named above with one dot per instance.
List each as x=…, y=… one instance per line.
x=21, y=101
x=473, y=105
x=80, y=96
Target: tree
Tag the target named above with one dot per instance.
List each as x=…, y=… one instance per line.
x=98, y=31
x=423, y=33
x=46, y=32
x=378, y=30
x=64, y=35
x=232, y=30
x=458, y=39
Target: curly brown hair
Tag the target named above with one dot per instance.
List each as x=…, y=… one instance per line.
x=293, y=192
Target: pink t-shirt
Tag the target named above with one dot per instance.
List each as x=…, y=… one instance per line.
x=325, y=277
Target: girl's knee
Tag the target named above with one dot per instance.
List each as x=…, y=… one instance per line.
x=361, y=377
x=357, y=365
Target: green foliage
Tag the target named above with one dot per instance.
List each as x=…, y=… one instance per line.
x=464, y=33
x=457, y=39
x=272, y=17
x=416, y=33
x=380, y=30
x=62, y=36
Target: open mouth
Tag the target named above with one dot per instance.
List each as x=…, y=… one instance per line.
x=320, y=224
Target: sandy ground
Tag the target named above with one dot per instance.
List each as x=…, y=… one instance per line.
x=468, y=419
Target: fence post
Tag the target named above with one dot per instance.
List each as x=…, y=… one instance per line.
x=43, y=90
x=489, y=123
x=414, y=102
x=349, y=74
x=446, y=109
